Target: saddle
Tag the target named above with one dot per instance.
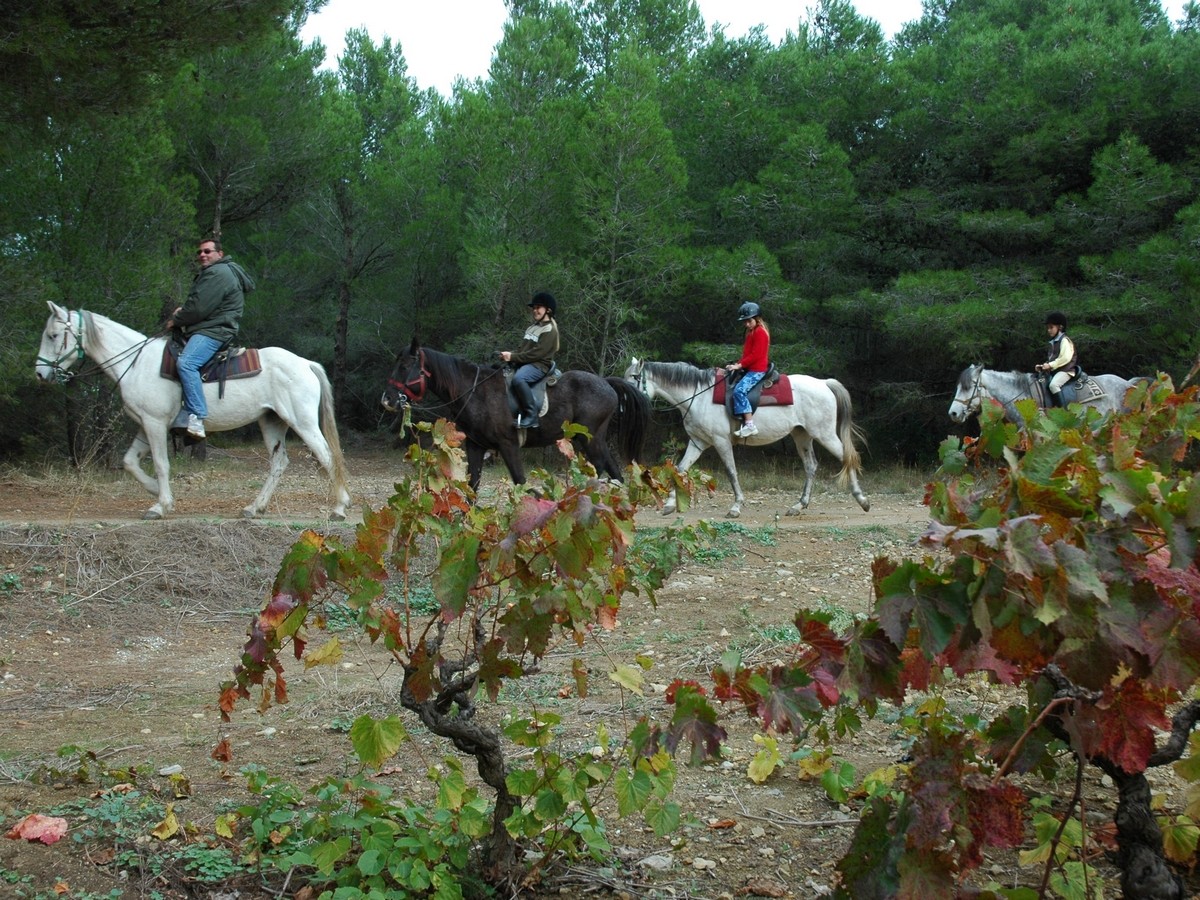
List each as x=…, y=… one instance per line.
x=227, y=363
x=541, y=399
x=1080, y=388
x=773, y=390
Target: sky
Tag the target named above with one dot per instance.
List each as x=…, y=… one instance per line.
x=441, y=39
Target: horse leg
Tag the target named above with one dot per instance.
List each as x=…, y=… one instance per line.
x=845, y=453
x=804, y=446
x=597, y=452
x=154, y=441
x=690, y=455
x=315, y=441
x=475, y=454
x=274, y=432
x=511, y=454
x=724, y=448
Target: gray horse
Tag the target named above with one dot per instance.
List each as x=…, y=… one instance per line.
x=1105, y=392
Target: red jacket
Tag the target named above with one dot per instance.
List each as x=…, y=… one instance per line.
x=756, y=350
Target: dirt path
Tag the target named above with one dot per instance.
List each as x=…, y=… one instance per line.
x=114, y=634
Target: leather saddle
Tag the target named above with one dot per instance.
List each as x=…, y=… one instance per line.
x=769, y=390
x=227, y=363
x=541, y=400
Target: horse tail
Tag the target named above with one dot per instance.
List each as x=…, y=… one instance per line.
x=847, y=432
x=632, y=418
x=330, y=432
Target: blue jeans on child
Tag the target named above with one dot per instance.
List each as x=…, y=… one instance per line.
x=741, y=405
x=199, y=350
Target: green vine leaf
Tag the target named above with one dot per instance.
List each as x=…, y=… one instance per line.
x=376, y=740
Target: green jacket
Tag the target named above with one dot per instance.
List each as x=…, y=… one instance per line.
x=538, y=346
x=214, y=305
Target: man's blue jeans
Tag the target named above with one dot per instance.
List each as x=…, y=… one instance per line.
x=741, y=405
x=199, y=350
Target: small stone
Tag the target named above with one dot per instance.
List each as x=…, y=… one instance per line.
x=657, y=862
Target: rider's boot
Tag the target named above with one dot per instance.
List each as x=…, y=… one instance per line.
x=527, y=413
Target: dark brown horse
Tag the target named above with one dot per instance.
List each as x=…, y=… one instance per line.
x=475, y=398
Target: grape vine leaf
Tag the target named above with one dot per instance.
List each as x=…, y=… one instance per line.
x=695, y=721
x=376, y=740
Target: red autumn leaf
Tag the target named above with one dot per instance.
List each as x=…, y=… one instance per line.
x=532, y=515
x=222, y=752
x=1127, y=721
x=679, y=684
x=277, y=610
x=818, y=635
x=997, y=812
x=36, y=827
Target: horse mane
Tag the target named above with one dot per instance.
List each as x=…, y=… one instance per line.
x=90, y=319
x=680, y=375
x=1013, y=383
x=445, y=367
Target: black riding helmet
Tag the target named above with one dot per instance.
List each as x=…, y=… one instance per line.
x=1057, y=318
x=748, y=311
x=546, y=299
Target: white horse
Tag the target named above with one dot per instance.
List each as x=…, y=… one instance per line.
x=821, y=412
x=291, y=392
x=1006, y=388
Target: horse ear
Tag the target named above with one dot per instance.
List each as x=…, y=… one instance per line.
x=414, y=346
x=59, y=312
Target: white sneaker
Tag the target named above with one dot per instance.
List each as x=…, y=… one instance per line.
x=195, y=426
x=747, y=430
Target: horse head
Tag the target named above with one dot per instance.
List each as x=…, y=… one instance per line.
x=62, y=345
x=969, y=393
x=635, y=374
x=408, y=381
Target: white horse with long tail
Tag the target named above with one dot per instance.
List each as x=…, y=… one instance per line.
x=820, y=411
x=290, y=392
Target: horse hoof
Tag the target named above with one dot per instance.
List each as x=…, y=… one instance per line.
x=668, y=510
x=337, y=517
x=796, y=510
x=152, y=514
x=734, y=513
x=249, y=513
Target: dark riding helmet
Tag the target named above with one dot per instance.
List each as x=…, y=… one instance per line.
x=1057, y=318
x=546, y=299
x=748, y=311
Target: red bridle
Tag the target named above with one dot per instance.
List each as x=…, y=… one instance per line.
x=414, y=388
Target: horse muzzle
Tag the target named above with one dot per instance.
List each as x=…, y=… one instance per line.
x=394, y=402
x=52, y=372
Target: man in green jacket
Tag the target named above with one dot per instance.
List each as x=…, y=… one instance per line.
x=209, y=320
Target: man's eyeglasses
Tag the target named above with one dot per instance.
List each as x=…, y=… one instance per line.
x=204, y=252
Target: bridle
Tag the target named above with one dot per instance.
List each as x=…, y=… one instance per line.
x=414, y=389
x=975, y=401
x=62, y=373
